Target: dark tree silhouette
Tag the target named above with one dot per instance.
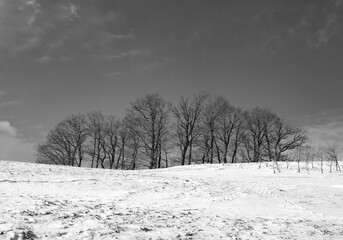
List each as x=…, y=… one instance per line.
x=95, y=143
x=65, y=144
x=255, y=127
x=148, y=117
x=188, y=116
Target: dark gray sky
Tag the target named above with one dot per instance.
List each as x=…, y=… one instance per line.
x=59, y=57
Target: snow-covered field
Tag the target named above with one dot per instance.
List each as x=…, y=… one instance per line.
x=237, y=201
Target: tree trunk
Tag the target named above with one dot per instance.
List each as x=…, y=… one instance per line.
x=212, y=148
x=166, y=155
x=203, y=157
x=118, y=159
x=233, y=159
x=218, y=152
x=159, y=156
x=123, y=158
x=183, y=156
x=112, y=160
x=190, y=153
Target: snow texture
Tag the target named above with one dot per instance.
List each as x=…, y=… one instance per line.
x=237, y=201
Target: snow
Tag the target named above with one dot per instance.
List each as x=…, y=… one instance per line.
x=231, y=201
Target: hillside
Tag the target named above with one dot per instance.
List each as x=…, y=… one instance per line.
x=237, y=201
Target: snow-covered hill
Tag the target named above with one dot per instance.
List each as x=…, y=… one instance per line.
x=237, y=201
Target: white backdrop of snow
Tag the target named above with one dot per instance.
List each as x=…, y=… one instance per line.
x=237, y=201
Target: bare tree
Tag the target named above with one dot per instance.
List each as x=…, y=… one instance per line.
x=332, y=156
x=211, y=129
x=95, y=145
x=123, y=134
x=65, y=144
x=281, y=137
x=229, y=130
x=55, y=150
x=204, y=144
x=111, y=139
x=225, y=126
x=320, y=155
x=212, y=112
x=188, y=116
x=167, y=146
x=298, y=154
x=255, y=128
x=134, y=145
x=308, y=153
x=239, y=132
x=218, y=123
x=78, y=132
x=148, y=117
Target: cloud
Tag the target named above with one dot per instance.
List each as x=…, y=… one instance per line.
x=313, y=25
x=324, y=128
x=65, y=59
x=33, y=7
x=7, y=129
x=16, y=149
x=322, y=23
x=12, y=146
x=2, y=93
x=69, y=11
x=109, y=38
x=18, y=33
x=321, y=117
x=270, y=44
x=26, y=45
x=133, y=53
x=124, y=54
x=8, y=103
x=122, y=36
x=113, y=74
x=326, y=133
x=327, y=32
x=44, y=59
x=72, y=12
x=38, y=31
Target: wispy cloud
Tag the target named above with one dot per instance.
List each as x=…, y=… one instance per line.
x=314, y=25
x=68, y=11
x=49, y=59
x=65, y=59
x=17, y=34
x=33, y=8
x=327, y=27
x=8, y=103
x=113, y=74
x=271, y=44
x=326, y=134
x=328, y=31
x=321, y=118
x=109, y=37
x=124, y=54
x=33, y=28
x=44, y=59
x=26, y=45
x=324, y=127
x=133, y=53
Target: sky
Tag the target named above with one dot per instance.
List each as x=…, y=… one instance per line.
x=59, y=57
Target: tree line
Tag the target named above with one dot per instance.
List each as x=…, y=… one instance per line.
x=310, y=154
x=156, y=134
